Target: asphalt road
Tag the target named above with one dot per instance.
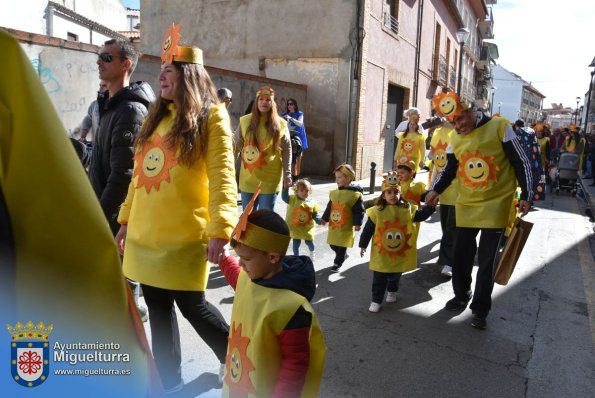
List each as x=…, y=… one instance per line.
x=539, y=341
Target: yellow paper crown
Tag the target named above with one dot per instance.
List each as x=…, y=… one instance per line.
x=391, y=181
x=30, y=331
x=174, y=52
x=448, y=105
x=345, y=170
x=258, y=237
x=410, y=164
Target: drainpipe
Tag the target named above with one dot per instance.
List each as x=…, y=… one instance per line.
x=50, y=20
x=353, y=85
x=420, y=16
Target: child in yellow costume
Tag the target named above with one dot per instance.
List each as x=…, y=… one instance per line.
x=302, y=214
x=344, y=214
x=411, y=190
x=393, y=223
x=276, y=347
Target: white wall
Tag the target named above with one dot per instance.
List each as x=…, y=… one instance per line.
x=509, y=91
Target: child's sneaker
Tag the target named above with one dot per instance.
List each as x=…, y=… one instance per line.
x=374, y=307
x=312, y=255
x=391, y=297
x=335, y=268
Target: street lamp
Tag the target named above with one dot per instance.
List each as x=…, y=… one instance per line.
x=578, y=99
x=462, y=36
x=499, y=106
x=492, y=100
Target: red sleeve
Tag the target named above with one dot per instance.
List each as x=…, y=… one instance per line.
x=295, y=360
x=231, y=269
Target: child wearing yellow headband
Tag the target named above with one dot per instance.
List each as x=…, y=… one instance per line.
x=276, y=347
x=344, y=214
x=393, y=223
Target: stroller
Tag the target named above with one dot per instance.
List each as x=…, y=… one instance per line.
x=564, y=175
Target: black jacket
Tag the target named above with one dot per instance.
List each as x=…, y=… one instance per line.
x=120, y=119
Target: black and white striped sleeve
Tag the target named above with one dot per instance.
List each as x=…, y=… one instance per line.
x=520, y=162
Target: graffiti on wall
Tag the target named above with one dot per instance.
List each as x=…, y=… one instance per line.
x=50, y=83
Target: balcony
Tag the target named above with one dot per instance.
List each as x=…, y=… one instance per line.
x=442, y=70
x=486, y=26
x=452, y=77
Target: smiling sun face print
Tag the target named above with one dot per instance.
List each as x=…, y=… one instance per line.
x=154, y=162
x=440, y=155
x=238, y=365
x=338, y=216
x=476, y=170
x=300, y=216
x=407, y=145
x=252, y=157
x=391, y=239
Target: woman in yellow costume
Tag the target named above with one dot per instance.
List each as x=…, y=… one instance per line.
x=263, y=137
x=394, y=225
x=181, y=206
x=411, y=144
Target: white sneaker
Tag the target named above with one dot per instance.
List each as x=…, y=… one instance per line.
x=391, y=297
x=447, y=271
x=312, y=255
x=374, y=307
x=221, y=373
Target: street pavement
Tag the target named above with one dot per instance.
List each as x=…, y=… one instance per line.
x=540, y=336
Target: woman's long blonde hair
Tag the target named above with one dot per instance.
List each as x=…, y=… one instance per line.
x=196, y=95
x=273, y=123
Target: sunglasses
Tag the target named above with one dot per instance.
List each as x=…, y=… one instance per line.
x=291, y=103
x=106, y=57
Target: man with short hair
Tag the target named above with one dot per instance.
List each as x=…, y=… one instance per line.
x=122, y=109
x=224, y=95
x=487, y=158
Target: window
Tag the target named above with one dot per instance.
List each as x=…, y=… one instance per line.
x=391, y=15
x=436, y=73
x=71, y=36
x=448, y=60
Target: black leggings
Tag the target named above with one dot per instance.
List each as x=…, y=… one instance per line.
x=165, y=335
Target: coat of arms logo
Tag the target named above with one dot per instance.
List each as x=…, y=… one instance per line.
x=29, y=354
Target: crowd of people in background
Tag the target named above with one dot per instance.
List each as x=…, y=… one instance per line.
x=162, y=168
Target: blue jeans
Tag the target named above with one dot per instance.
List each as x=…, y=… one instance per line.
x=264, y=200
x=383, y=281
x=298, y=242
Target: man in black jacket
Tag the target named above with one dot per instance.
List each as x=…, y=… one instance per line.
x=122, y=109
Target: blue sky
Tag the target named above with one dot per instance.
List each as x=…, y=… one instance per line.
x=132, y=3
x=548, y=43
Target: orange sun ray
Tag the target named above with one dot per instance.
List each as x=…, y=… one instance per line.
x=253, y=157
x=154, y=162
x=238, y=365
x=391, y=239
x=477, y=170
x=338, y=216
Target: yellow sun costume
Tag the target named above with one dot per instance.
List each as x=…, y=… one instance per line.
x=394, y=244
x=544, y=142
x=300, y=217
x=259, y=315
x=172, y=210
x=65, y=269
x=340, y=231
x=261, y=163
x=411, y=191
x=487, y=181
x=440, y=141
x=410, y=147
